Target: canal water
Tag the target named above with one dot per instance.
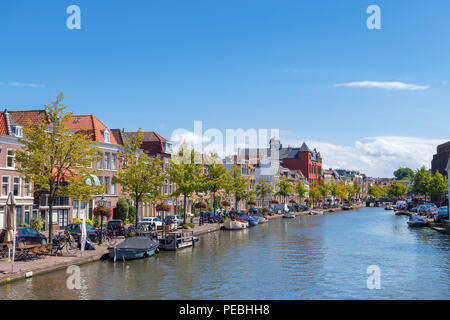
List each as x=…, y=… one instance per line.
x=310, y=257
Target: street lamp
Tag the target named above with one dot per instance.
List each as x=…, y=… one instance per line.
x=101, y=203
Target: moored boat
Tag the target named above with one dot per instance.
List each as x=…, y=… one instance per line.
x=289, y=215
x=316, y=212
x=389, y=207
x=134, y=248
x=177, y=240
x=347, y=207
x=417, y=222
x=252, y=221
x=235, y=225
x=261, y=218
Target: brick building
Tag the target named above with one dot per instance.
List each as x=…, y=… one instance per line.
x=308, y=161
x=440, y=159
x=11, y=180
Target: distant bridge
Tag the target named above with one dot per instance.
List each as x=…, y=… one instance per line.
x=376, y=202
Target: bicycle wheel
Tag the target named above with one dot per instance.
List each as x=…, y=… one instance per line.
x=111, y=240
x=70, y=248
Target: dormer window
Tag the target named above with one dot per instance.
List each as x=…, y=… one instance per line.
x=106, y=136
x=17, y=130
x=167, y=147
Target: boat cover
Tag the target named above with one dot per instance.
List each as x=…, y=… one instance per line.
x=138, y=243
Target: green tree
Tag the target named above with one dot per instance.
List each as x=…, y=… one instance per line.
x=237, y=184
x=397, y=190
x=263, y=189
x=421, y=182
x=314, y=194
x=140, y=176
x=378, y=192
x=438, y=184
x=55, y=158
x=185, y=172
x=356, y=189
x=215, y=178
x=285, y=188
x=300, y=190
x=404, y=174
x=122, y=209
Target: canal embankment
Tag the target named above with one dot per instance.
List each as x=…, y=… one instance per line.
x=45, y=264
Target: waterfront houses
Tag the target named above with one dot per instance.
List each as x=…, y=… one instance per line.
x=11, y=180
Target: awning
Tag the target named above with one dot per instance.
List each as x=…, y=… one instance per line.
x=67, y=173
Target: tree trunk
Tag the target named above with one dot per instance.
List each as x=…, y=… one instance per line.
x=184, y=205
x=50, y=219
x=137, y=213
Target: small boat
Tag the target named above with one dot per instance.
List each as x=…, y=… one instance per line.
x=289, y=215
x=235, y=225
x=252, y=221
x=177, y=240
x=389, y=207
x=416, y=222
x=347, y=207
x=316, y=213
x=134, y=248
x=261, y=218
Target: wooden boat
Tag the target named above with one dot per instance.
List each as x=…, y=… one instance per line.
x=316, y=213
x=235, y=225
x=417, y=222
x=134, y=248
x=289, y=215
x=177, y=240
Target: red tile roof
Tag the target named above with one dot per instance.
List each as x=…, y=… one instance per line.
x=3, y=125
x=152, y=142
x=91, y=124
x=23, y=117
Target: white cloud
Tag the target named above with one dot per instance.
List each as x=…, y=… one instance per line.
x=21, y=84
x=378, y=156
x=383, y=85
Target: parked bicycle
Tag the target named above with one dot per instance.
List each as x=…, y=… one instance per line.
x=64, y=243
x=108, y=237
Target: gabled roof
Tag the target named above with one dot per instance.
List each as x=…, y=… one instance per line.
x=152, y=141
x=23, y=117
x=92, y=125
x=148, y=136
x=305, y=148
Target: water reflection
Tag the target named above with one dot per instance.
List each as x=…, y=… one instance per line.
x=319, y=257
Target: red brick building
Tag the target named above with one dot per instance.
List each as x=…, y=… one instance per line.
x=308, y=161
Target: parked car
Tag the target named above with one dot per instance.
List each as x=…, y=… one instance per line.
x=178, y=220
x=117, y=227
x=441, y=214
x=152, y=220
x=26, y=236
x=75, y=230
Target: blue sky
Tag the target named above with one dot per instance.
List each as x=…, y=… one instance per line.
x=160, y=65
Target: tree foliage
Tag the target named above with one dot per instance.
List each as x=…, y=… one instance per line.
x=404, y=174
x=285, y=188
x=56, y=158
x=140, y=176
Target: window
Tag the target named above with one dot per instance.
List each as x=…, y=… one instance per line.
x=75, y=209
x=2, y=217
x=114, y=189
x=27, y=214
x=16, y=186
x=63, y=217
x=107, y=158
x=114, y=161
x=55, y=217
x=17, y=130
x=11, y=159
x=18, y=216
x=106, y=136
x=27, y=189
x=107, y=185
x=100, y=161
x=5, y=185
